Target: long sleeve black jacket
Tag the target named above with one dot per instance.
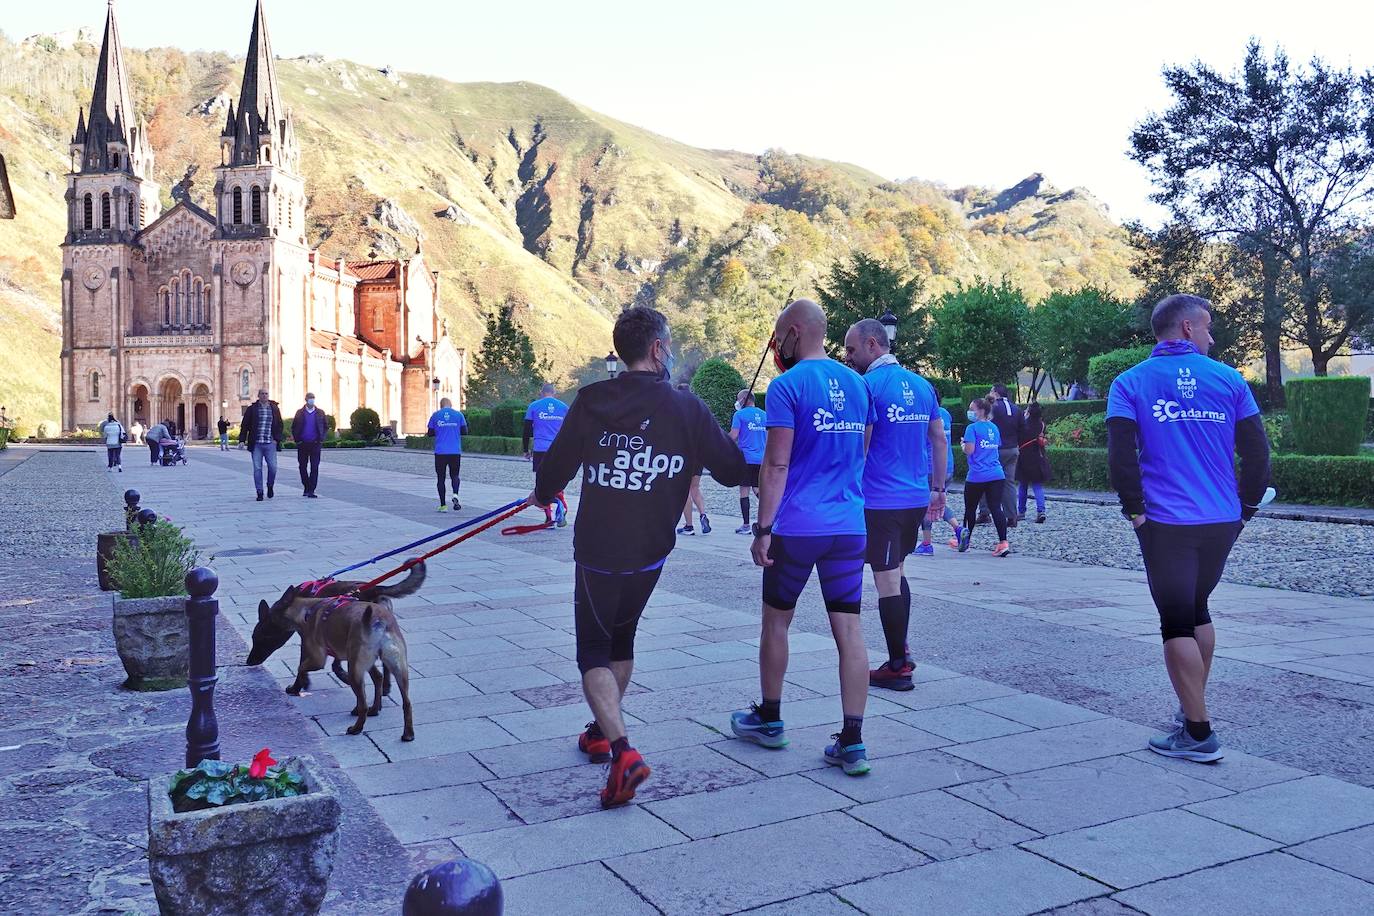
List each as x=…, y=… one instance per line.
x=248, y=431
x=639, y=442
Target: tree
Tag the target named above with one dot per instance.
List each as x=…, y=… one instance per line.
x=364, y=424
x=867, y=288
x=1278, y=158
x=506, y=365
x=718, y=384
x=1069, y=328
x=980, y=332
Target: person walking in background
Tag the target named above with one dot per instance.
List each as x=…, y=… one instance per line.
x=543, y=420
x=1006, y=416
x=223, y=427
x=154, y=436
x=694, y=497
x=811, y=516
x=1174, y=426
x=986, y=479
x=113, y=434
x=262, y=432
x=309, y=428
x=136, y=432
x=447, y=426
x=748, y=430
x=1033, y=463
x=925, y=548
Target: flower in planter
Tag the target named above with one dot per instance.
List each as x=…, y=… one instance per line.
x=213, y=783
x=261, y=761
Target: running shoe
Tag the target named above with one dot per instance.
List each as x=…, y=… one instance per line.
x=443, y=507
x=1021, y=515
x=744, y=529
x=687, y=529
x=852, y=759
x=705, y=524
x=1040, y=518
x=456, y=504
x=891, y=677
x=1184, y=746
x=924, y=550
x=1002, y=549
x=1180, y=717
x=958, y=535
x=965, y=537
x=628, y=773
x=594, y=744
x=560, y=514
x=750, y=727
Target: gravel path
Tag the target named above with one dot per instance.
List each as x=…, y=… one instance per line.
x=1301, y=556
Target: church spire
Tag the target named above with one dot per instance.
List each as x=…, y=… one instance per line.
x=112, y=110
x=261, y=124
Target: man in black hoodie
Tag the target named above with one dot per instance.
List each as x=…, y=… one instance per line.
x=639, y=443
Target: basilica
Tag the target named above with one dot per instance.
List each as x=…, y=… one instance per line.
x=184, y=314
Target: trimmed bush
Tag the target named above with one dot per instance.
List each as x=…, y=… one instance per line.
x=718, y=384
x=1279, y=429
x=761, y=397
x=492, y=445
x=944, y=387
x=1105, y=367
x=364, y=424
x=1055, y=410
x=1078, y=431
x=1339, y=480
x=1328, y=414
x=970, y=392
x=1079, y=468
x=479, y=421
x=507, y=418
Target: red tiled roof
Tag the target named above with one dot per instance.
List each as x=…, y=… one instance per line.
x=373, y=270
x=324, y=340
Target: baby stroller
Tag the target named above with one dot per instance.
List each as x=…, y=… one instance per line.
x=173, y=453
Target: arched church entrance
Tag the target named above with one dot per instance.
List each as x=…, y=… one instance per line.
x=139, y=405
x=200, y=399
x=171, y=404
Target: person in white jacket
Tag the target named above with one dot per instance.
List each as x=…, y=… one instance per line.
x=113, y=434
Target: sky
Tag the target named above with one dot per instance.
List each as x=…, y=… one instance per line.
x=982, y=92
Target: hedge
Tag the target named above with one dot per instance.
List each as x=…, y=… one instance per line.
x=718, y=384
x=944, y=387
x=477, y=445
x=972, y=392
x=1328, y=414
x=290, y=444
x=1057, y=410
x=1105, y=367
x=479, y=421
x=508, y=418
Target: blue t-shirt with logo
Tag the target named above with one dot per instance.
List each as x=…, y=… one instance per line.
x=983, y=464
x=827, y=407
x=897, y=473
x=751, y=426
x=1186, y=407
x=448, y=425
x=546, y=414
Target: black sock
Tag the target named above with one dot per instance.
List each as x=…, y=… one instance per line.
x=893, y=614
x=906, y=609
x=744, y=508
x=1199, y=731
x=594, y=731
x=853, y=731
x=619, y=746
x=770, y=710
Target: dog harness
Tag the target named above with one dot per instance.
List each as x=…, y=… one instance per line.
x=313, y=588
x=325, y=610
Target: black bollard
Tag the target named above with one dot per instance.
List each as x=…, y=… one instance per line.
x=131, y=499
x=145, y=518
x=462, y=887
x=202, y=729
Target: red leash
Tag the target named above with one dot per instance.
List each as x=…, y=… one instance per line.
x=440, y=549
x=542, y=526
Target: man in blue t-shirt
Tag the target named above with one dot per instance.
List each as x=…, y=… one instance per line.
x=1174, y=425
x=749, y=429
x=811, y=516
x=447, y=426
x=543, y=420
x=905, y=429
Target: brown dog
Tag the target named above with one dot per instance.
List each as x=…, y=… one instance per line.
x=359, y=632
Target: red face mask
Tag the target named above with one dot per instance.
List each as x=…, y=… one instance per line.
x=783, y=362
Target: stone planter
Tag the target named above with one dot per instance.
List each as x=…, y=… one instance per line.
x=104, y=551
x=264, y=857
x=151, y=638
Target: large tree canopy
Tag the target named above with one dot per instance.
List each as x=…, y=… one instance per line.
x=867, y=288
x=506, y=366
x=980, y=332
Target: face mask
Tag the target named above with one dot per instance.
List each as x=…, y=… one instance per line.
x=973, y=417
x=669, y=362
x=784, y=362
x=309, y=402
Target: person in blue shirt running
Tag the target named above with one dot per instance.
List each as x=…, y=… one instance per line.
x=897, y=483
x=447, y=426
x=1174, y=426
x=985, y=477
x=811, y=516
x=749, y=430
x=543, y=420
x=925, y=548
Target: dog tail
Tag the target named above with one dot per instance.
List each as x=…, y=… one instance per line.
x=415, y=578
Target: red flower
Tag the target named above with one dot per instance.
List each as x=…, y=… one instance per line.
x=261, y=761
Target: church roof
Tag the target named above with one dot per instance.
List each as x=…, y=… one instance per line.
x=112, y=109
x=324, y=340
x=374, y=270
x=184, y=204
x=260, y=109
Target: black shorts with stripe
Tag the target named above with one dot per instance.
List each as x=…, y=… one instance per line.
x=892, y=535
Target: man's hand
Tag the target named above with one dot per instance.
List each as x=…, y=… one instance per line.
x=759, y=550
x=1139, y=520
x=936, y=510
x=532, y=501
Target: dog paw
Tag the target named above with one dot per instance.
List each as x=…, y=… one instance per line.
x=355, y=730
x=407, y=736
x=293, y=690
x=355, y=712
x=374, y=710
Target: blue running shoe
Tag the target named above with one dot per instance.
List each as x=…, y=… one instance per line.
x=560, y=514
x=924, y=550
x=965, y=538
x=750, y=727
x=1179, y=743
x=958, y=536
x=853, y=759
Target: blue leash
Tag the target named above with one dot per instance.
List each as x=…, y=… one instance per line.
x=425, y=540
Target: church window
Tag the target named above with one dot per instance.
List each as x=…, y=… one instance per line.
x=179, y=294
x=95, y=386
x=257, y=205
x=238, y=206
x=114, y=160
x=200, y=309
x=267, y=153
x=133, y=222
x=104, y=211
x=166, y=308
x=245, y=382
x=88, y=211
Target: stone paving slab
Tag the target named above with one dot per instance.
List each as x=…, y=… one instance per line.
x=752, y=804
x=1275, y=884
x=1351, y=852
x=1292, y=812
x=578, y=890
x=941, y=825
x=569, y=841
x=1049, y=747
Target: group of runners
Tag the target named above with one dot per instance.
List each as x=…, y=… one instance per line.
x=843, y=464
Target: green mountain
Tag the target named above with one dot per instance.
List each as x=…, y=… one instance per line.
x=523, y=199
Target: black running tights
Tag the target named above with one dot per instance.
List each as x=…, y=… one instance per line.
x=974, y=493
x=451, y=465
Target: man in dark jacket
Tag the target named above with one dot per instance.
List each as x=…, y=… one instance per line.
x=1006, y=416
x=639, y=443
x=261, y=431
x=309, y=428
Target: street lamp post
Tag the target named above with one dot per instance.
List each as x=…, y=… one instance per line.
x=434, y=386
x=612, y=364
x=889, y=322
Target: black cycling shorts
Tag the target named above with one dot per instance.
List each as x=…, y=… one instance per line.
x=751, y=476
x=607, y=607
x=1183, y=564
x=892, y=536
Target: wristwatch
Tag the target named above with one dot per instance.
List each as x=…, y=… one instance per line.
x=762, y=531
x=1130, y=516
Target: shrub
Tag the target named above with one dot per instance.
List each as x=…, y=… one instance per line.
x=364, y=424
x=1078, y=431
x=508, y=418
x=154, y=564
x=1279, y=428
x=1328, y=414
x=1260, y=392
x=761, y=397
x=944, y=387
x=971, y=392
x=1079, y=468
x=48, y=429
x=479, y=421
x=1369, y=423
x=718, y=384
x=1104, y=368
x=1054, y=410
x=1343, y=480
x=492, y=445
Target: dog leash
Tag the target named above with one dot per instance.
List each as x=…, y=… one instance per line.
x=542, y=526
x=425, y=540
x=511, y=510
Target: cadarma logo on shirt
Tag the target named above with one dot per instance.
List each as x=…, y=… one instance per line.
x=897, y=414
x=825, y=422
x=1168, y=411
x=635, y=467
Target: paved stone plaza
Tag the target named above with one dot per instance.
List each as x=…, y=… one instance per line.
x=1012, y=780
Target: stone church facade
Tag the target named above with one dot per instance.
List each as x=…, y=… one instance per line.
x=185, y=314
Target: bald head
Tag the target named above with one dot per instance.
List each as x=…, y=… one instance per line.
x=800, y=330
x=445, y=402
x=547, y=391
